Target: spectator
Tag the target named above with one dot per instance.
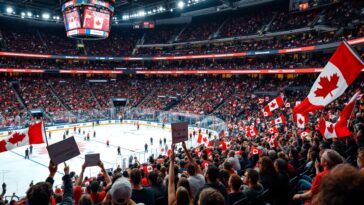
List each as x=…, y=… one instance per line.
x=329, y=160
x=236, y=193
x=210, y=196
x=140, y=194
x=252, y=188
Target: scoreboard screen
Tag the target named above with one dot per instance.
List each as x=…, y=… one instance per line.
x=98, y=20
x=72, y=19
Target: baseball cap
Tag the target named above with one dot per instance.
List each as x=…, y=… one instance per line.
x=121, y=191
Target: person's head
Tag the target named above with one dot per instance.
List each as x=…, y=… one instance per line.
x=210, y=196
x=360, y=159
x=120, y=192
x=191, y=169
x=183, y=182
x=212, y=173
x=251, y=177
x=224, y=176
x=39, y=194
x=293, y=154
x=231, y=153
x=228, y=165
x=330, y=158
x=135, y=176
x=266, y=165
x=235, y=182
x=95, y=185
x=343, y=185
x=85, y=200
x=183, y=196
x=153, y=178
x=281, y=165
x=272, y=155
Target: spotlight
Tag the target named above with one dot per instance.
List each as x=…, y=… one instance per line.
x=46, y=15
x=181, y=4
x=9, y=10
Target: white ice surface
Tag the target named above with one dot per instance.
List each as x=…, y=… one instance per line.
x=17, y=172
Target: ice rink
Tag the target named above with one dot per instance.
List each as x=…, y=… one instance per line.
x=18, y=172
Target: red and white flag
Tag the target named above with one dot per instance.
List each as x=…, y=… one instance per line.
x=327, y=129
x=273, y=130
x=301, y=120
x=34, y=134
x=279, y=120
x=342, y=69
x=254, y=150
x=348, y=110
x=305, y=133
x=266, y=113
x=251, y=131
x=288, y=105
x=274, y=104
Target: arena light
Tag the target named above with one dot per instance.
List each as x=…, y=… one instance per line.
x=22, y=14
x=9, y=10
x=181, y=4
x=46, y=16
x=29, y=14
x=141, y=13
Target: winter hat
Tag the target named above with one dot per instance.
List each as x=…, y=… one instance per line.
x=121, y=191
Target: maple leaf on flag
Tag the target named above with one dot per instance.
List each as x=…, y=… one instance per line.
x=16, y=138
x=330, y=128
x=327, y=86
x=300, y=121
x=2, y=146
x=98, y=23
x=272, y=104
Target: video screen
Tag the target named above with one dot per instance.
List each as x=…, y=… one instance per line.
x=99, y=20
x=72, y=20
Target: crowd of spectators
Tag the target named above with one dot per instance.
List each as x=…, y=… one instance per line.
x=283, y=168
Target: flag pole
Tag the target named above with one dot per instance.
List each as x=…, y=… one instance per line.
x=45, y=132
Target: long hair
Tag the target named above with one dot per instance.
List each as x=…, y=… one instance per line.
x=183, y=196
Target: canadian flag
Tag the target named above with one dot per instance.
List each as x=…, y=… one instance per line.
x=254, y=150
x=252, y=132
x=341, y=70
x=274, y=104
x=327, y=129
x=273, y=141
x=348, y=110
x=273, y=130
x=279, y=120
x=305, y=133
x=34, y=134
x=98, y=22
x=266, y=113
x=199, y=138
x=301, y=120
x=339, y=129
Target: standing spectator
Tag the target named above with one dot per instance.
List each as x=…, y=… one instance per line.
x=140, y=194
x=182, y=196
x=212, y=175
x=196, y=178
x=31, y=149
x=234, y=161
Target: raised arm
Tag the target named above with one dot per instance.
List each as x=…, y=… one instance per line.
x=80, y=177
x=106, y=175
x=171, y=185
x=68, y=189
x=52, y=171
x=190, y=159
